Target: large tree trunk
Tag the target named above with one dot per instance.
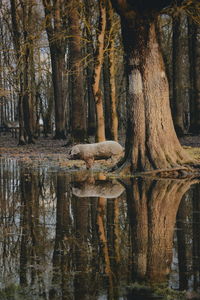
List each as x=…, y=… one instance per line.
x=76, y=77
x=151, y=141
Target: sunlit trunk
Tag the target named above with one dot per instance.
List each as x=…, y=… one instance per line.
x=151, y=141
x=112, y=64
x=100, y=134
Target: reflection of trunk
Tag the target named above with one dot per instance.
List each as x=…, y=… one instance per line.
x=102, y=234
x=24, y=240
x=137, y=207
x=196, y=236
x=113, y=236
x=182, y=216
x=100, y=135
x=81, y=250
x=153, y=225
x=113, y=230
x=30, y=226
x=62, y=249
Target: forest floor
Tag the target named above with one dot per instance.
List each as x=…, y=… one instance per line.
x=48, y=151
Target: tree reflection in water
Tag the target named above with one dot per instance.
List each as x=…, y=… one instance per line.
x=70, y=236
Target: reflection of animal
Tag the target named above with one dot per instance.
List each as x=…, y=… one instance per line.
x=100, y=188
x=102, y=150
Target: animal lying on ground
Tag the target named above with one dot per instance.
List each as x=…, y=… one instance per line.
x=102, y=150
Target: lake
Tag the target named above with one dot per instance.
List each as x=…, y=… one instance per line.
x=82, y=235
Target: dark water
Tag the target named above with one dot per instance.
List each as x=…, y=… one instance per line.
x=77, y=236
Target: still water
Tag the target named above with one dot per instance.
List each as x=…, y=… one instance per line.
x=78, y=236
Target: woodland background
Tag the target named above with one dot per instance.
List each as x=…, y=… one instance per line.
x=62, y=69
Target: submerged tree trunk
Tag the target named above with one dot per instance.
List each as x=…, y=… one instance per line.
x=151, y=141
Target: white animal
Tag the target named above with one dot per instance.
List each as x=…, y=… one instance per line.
x=101, y=150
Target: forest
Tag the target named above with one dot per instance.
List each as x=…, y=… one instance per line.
x=103, y=70
x=100, y=149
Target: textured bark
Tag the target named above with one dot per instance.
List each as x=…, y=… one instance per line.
x=151, y=141
x=76, y=76
x=17, y=45
x=107, y=102
x=111, y=56
x=100, y=134
x=89, y=69
x=55, y=27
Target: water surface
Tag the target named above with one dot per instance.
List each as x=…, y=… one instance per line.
x=77, y=236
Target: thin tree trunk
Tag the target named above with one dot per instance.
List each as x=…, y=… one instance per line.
x=57, y=62
x=90, y=69
x=100, y=134
x=17, y=45
x=112, y=63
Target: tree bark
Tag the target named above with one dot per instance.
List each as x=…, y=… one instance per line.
x=90, y=68
x=55, y=27
x=78, y=116
x=100, y=134
x=111, y=56
x=151, y=141
x=178, y=84
x=17, y=45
